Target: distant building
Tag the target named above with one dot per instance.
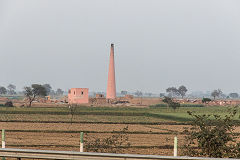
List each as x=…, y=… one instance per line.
x=78, y=96
x=99, y=96
x=128, y=96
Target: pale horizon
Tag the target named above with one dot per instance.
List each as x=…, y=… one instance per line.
x=158, y=44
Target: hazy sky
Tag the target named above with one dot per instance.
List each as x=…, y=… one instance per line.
x=158, y=43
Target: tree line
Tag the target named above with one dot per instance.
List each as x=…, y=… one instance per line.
x=11, y=90
x=38, y=90
x=32, y=92
x=181, y=91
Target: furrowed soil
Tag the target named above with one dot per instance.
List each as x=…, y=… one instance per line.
x=144, y=139
x=150, y=131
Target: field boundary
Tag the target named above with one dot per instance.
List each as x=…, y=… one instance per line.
x=97, y=132
x=77, y=146
x=89, y=122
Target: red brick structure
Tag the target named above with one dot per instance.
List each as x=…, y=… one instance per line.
x=78, y=96
x=111, y=85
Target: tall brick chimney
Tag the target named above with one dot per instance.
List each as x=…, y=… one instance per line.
x=111, y=86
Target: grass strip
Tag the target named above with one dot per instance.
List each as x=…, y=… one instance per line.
x=75, y=113
x=76, y=146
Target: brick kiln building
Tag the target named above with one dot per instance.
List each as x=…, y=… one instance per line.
x=78, y=96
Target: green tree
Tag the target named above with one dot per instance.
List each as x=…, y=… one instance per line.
x=169, y=101
x=233, y=95
x=212, y=136
x=161, y=95
x=124, y=93
x=48, y=88
x=3, y=90
x=172, y=91
x=36, y=90
x=182, y=90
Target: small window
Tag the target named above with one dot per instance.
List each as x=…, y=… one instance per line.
x=82, y=92
x=74, y=93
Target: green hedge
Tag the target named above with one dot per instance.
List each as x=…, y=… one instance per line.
x=158, y=105
x=192, y=105
x=111, y=113
x=2, y=105
x=182, y=105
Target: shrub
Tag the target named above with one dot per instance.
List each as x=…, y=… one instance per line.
x=192, y=105
x=171, y=103
x=158, y=105
x=8, y=104
x=206, y=100
x=212, y=136
x=167, y=100
x=181, y=105
x=174, y=105
x=113, y=144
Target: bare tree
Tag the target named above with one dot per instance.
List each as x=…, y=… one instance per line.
x=11, y=89
x=36, y=90
x=149, y=94
x=59, y=92
x=73, y=109
x=216, y=93
x=138, y=93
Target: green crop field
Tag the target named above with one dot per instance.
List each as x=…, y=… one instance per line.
x=108, y=114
